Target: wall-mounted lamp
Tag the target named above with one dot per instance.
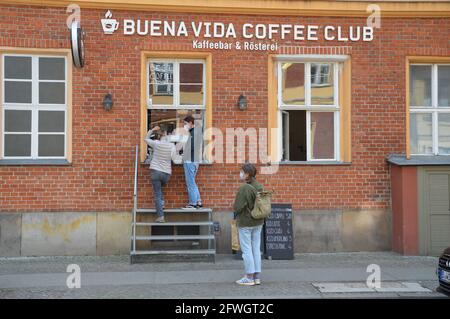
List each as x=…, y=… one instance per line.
x=242, y=102
x=108, y=102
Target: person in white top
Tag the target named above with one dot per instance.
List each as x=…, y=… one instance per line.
x=160, y=167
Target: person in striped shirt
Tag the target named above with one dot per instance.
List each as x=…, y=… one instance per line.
x=160, y=167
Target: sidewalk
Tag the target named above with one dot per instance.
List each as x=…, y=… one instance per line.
x=114, y=277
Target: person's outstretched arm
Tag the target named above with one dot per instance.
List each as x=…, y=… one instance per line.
x=174, y=154
x=147, y=138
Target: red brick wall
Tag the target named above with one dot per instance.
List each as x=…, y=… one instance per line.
x=405, y=224
x=101, y=176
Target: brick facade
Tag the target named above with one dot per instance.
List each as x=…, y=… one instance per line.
x=101, y=175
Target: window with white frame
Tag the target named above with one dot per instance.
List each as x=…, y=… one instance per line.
x=34, y=106
x=176, y=88
x=308, y=111
x=429, y=106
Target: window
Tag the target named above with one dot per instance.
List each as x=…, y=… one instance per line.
x=308, y=110
x=429, y=99
x=175, y=84
x=176, y=88
x=34, y=106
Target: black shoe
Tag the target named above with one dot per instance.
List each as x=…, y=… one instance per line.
x=199, y=206
x=189, y=207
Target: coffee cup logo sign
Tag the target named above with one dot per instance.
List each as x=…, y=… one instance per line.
x=252, y=35
x=109, y=25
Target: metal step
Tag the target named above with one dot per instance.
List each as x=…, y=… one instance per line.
x=175, y=224
x=174, y=252
x=181, y=257
x=176, y=237
x=175, y=210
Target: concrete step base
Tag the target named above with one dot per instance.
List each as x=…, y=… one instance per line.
x=179, y=257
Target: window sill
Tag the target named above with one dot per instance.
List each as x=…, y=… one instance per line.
x=311, y=163
x=201, y=163
x=180, y=164
x=281, y=163
x=28, y=162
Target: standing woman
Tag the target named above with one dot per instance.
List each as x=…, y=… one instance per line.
x=248, y=227
x=192, y=156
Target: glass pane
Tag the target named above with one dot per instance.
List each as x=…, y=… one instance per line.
x=444, y=85
x=17, y=67
x=51, y=121
x=17, y=145
x=171, y=123
x=293, y=83
x=17, y=121
x=191, y=73
x=161, y=83
x=421, y=141
x=420, y=85
x=52, y=93
x=191, y=94
x=322, y=85
x=444, y=133
x=51, y=145
x=17, y=92
x=52, y=69
x=322, y=135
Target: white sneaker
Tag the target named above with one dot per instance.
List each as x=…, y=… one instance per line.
x=257, y=281
x=188, y=207
x=160, y=220
x=244, y=281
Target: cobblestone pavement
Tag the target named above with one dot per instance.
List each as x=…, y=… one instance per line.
x=115, y=277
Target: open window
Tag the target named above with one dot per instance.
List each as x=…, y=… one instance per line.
x=175, y=89
x=308, y=111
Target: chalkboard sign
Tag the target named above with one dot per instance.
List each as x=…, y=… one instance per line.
x=278, y=234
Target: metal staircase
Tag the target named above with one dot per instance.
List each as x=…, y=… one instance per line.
x=187, y=235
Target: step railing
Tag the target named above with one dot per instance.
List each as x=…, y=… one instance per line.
x=205, y=223
x=135, y=199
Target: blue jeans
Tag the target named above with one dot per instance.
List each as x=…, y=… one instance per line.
x=250, y=241
x=159, y=180
x=190, y=171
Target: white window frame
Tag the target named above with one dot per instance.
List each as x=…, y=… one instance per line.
x=334, y=60
x=176, y=85
x=434, y=109
x=34, y=106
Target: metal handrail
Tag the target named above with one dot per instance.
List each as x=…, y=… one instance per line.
x=136, y=164
x=136, y=175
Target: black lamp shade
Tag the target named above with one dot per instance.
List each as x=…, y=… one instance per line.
x=242, y=102
x=108, y=102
